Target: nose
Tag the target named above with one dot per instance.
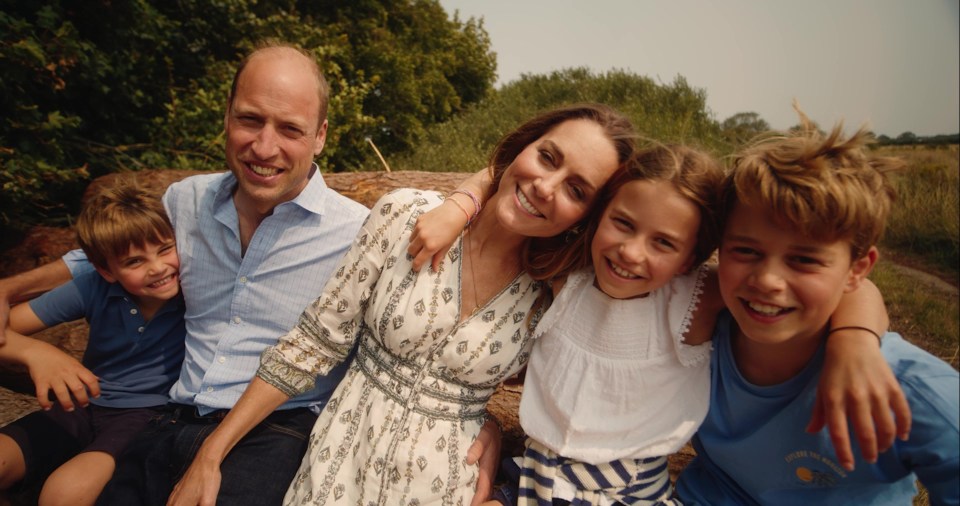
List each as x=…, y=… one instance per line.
x=266, y=144
x=546, y=186
x=633, y=251
x=155, y=265
x=766, y=278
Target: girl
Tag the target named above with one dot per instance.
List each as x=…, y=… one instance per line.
x=431, y=347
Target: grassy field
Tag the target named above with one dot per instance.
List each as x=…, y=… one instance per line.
x=922, y=233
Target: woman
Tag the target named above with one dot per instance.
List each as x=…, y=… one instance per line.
x=432, y=346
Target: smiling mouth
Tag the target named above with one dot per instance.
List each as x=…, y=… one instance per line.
x=526, y=205
x=263, y=171
x=620, y=271
x=766, y=309
x=162, y=282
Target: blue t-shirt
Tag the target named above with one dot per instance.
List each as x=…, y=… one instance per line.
x=136, y=361
x=752, y=447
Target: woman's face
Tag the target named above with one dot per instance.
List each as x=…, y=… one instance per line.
x=552, y=183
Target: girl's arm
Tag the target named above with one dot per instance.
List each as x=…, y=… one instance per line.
x=437, y=229
x=201, y=483
x=857, y=382
x=50, y=367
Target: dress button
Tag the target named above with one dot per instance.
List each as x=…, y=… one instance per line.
x=209, y=389
x=243, y=279
x=236, y=319
x=140, y=330
x=222, y=359
x=133, y=311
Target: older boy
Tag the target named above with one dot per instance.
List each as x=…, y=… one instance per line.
x=803, y=216
x=133, y=305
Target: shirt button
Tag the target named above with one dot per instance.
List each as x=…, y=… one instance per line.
x=133, y=311
x=209, y=389
x=236, y=319
x=243, y=279
x=222, y=359
x=140, y=330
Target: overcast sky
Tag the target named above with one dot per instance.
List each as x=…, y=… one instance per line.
x=893, y=64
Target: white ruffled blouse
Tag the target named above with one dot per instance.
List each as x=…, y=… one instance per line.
x=611, y=379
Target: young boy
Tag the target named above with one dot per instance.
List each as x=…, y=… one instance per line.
x=133, y=305
x=804, y=213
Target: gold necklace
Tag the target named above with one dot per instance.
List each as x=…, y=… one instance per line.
x=473, y=273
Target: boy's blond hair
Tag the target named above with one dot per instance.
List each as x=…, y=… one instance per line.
x=824, y=187
x=118, y=217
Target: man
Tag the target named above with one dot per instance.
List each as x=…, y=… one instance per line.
x=256, y=246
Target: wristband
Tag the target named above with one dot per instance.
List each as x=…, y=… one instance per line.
x=469, y=218
x=476, y=202
x=857, y=327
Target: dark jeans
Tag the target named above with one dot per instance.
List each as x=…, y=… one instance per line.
x=256, y=472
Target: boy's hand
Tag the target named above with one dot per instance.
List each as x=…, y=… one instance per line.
x=52, y=369
x=434, y=234
x=857, y=383
x=485, y=450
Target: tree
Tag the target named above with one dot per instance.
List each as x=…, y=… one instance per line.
x=98, y=86
x=743, y=126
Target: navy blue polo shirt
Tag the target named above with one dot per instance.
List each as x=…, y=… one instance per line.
x=137, y=361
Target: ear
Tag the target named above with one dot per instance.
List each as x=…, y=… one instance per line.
x=321, y=138
x=860, y=269
x=105, y=273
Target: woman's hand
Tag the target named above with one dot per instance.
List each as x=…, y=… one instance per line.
x=485, y=450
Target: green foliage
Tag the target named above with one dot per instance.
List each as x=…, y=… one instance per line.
x=743, y=126
x=88, y=88
x=662, y=112
x=924, y=221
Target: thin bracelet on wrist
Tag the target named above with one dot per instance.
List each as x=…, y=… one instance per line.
x=857, y=327
x=476, y=201
x=458, y=204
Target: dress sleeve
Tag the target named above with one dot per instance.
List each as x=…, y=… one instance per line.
x=684, y=297
x=328, y=327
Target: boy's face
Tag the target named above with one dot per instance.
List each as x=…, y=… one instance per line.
x=646, y=237
x=148, y=273
x=780, y=285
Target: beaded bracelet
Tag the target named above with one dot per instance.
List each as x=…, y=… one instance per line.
x=856, y=327
x=476, y=203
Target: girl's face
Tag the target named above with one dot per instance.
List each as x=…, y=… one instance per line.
x=646, y=236
x=551, y=184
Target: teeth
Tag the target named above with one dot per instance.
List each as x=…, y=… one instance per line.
x=764, y=308
x=527, y=206
x=264, y=171
x=158, y=284
x=622, y=272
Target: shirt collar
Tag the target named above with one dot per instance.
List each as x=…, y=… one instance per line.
x=312, y=198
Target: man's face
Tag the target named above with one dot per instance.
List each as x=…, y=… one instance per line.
x=273, y=130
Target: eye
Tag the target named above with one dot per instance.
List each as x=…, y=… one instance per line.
x=578, y=193
x=805, y=262
x=622, y=223
x=293, y=131
x=547, y=157
x=743, y=252
x=131, y=262
x=666, y=244
x=248, y=120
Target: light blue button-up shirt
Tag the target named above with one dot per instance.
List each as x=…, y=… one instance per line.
x=237, y=305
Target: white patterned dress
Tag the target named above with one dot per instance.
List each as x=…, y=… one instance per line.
x=397, y=429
